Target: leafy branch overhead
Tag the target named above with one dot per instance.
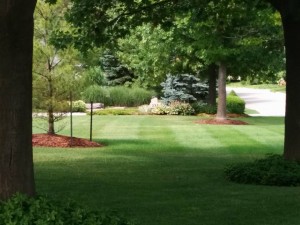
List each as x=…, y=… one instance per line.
x=99, y=23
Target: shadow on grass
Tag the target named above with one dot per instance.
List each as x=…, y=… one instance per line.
x=162, y=182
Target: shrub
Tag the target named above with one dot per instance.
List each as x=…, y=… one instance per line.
x=24, y=210
x=235, y=104
x=161, y=110
x=272, y=170
x=78, y=106
x=203, y=107
x=174, y=108
x=180, y=108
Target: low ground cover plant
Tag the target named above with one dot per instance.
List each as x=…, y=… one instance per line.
x=42, y=210
x=272, y=170
x=203, y=107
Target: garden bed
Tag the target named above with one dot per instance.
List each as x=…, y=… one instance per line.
x=55, y=140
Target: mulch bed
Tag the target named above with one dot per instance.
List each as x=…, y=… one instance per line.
x=55, y=140
x=221, y=122
x=212, y=120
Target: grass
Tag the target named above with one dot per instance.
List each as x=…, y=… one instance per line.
x=168, y=170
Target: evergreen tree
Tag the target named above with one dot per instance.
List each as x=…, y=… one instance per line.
x=115, y=72
x=183, y=87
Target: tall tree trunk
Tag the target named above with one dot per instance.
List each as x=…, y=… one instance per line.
x=16, y=34
x=292, y=116
x=51, y=129
x=221, y=112
x=50, y=107
x=290, y=15
x=212, y=82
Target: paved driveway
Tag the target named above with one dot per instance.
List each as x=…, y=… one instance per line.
x=265, y=102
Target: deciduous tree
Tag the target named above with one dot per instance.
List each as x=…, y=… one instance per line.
x=54, y=70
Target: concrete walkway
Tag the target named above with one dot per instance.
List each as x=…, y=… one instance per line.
x=265, y=102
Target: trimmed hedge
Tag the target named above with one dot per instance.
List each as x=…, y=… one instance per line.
x=234, y=103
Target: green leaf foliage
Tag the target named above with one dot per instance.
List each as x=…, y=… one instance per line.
x=41, y=210
x=272, y=170
x=234, y=103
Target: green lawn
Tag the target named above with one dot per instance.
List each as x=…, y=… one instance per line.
x=168, y=170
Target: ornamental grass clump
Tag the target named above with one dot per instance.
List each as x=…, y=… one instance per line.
x=273, y=170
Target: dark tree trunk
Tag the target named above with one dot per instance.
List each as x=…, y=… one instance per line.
x=16, y=34
x=292, y=115
x=221, y=112
x=212, y=82
x=290, y=14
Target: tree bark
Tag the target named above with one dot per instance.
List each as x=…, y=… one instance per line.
x=292, y=116
x=221, y=112
x=212, y=81
x=51, y=129
x=290, y=15
x=16, y=34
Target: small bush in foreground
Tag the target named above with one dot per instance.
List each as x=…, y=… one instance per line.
x=272, y=170
x=24, y=210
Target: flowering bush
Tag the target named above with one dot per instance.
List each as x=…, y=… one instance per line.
x=174, y=108
x=180, y=108
x=161, y=110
